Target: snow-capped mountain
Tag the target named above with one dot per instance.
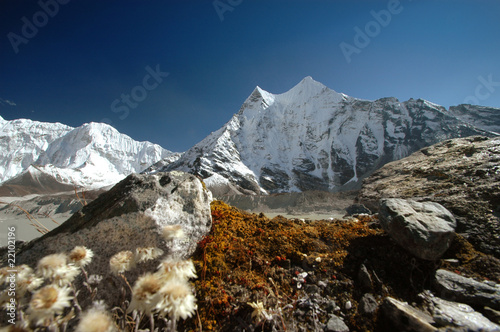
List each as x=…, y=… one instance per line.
x=91, y=156
x=312, y=137
x=22, y=141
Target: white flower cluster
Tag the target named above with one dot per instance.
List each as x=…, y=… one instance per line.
x=47, y=304
x=46, y=297
x=166, y=292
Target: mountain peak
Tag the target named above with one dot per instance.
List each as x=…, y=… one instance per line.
x=309, y=80
x=309, y=84
x=313, y=138
x=309, y=88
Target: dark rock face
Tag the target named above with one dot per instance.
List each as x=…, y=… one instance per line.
x=426, y=229
x=461, y=174
x=486, y=118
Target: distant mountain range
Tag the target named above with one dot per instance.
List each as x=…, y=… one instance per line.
x=309, y=138
x=49, y=157
x=312, y=137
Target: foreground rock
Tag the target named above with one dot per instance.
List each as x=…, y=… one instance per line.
x=404, y=317
x=455, y=287
x=335, y=324
x=462, y=174
x=425, y=229
x=130, y=215
x=447, y=313
x=436, y=314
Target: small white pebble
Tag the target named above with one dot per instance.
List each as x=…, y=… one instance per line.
x=318, y=259
x=348, y=305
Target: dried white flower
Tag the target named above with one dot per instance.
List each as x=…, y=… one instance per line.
x=176, y=300
x=56, y=269
x=80, y=256
x=146, y=254
x=47, y=302
x=20, y=272
x=172, y=268
x=145, y=295
x=95, y=279
x=49, y=266
x=259, y=311
x=96, y=320
x=121, y=262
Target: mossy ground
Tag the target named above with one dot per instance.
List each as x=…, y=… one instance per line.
x=249, y=258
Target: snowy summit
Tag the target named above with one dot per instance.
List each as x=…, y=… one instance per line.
x=314, y=138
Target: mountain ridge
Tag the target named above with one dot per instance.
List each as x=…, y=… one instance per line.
x=307, y=138
x=92, y=155
x=314, y=138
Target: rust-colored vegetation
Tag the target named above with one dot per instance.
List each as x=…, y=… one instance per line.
x=249, y=258
x=261, y=274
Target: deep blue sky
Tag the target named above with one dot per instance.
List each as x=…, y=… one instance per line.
x=91, y=52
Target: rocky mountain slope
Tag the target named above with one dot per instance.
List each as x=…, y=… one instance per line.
x=313, y=138
x=47, y=155
x=461, y=174
x=486, y=118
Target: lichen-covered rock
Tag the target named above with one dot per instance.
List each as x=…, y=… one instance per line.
x=426, y=229
x=130, y=215
x=461, y=174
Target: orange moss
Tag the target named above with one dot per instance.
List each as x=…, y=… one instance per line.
x=254, y=257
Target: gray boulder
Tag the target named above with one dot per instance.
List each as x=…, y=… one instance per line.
x=453, y=314
x=336, y=324
x=426, y=229
x=368, y=304
x=454, y=287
